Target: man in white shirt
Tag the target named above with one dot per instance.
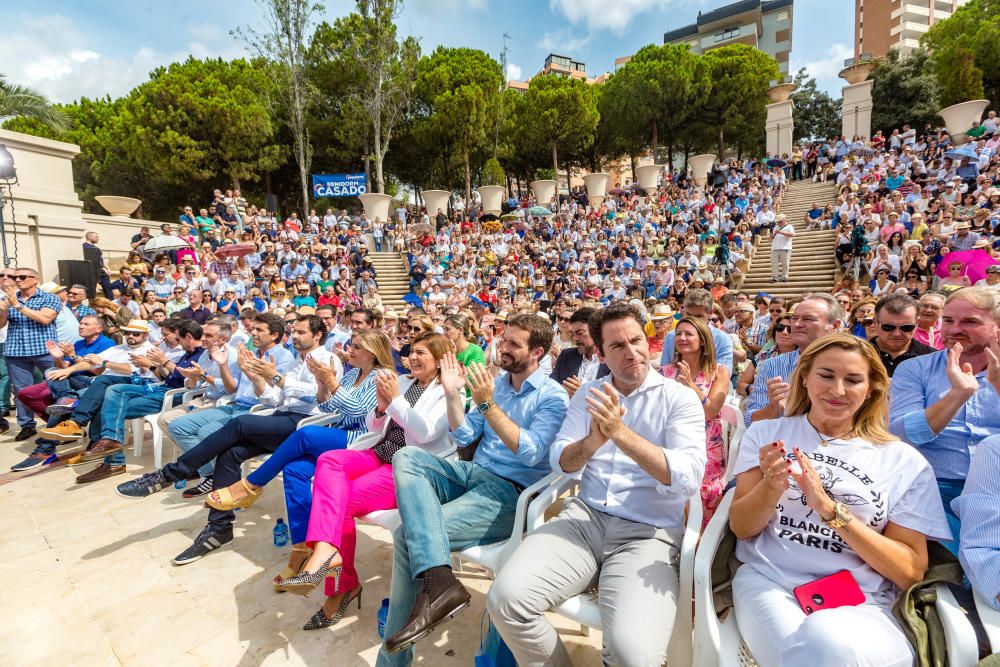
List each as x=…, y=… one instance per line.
x=781, y=249
x=636, y=442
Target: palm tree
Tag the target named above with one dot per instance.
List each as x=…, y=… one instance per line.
x=18, y=101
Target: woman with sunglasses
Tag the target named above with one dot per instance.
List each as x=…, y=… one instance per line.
x=862, y=319
x=779, y=341
x=955, y=280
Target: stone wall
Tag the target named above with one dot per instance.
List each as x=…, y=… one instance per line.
x=45, y=222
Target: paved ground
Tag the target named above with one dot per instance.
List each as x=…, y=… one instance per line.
x=87, y=580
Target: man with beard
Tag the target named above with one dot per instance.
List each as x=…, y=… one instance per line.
x=944, y=403
x=580, y=363
x=450, y=504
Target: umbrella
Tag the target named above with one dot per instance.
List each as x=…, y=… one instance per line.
x=775, y=162
x=488, y=217
x=974, y=263
x=618, y=191
x=961, y=152
x=165, y=242
x=507, y=217
x=866, y=153
x=539, y=210
x=234, y=250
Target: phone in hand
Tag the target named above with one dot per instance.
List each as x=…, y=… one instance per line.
x=837, y=590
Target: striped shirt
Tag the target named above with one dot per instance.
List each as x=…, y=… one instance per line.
x=979, y=509
x=353, y=403
x=781, y=366
x=25, y=336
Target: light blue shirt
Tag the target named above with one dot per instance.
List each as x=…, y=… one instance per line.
x=217, y=389
x=283, y=361
x=538, y=409
x=921, y=382
x=723, y=348
x=67, y=326
x=781, y=366
x=979, y=509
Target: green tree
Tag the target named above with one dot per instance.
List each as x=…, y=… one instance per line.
x=659, y=88
x=740, y=76
x=280, y=41
x=965, y=48
x=383, y=72
x=560, y=114
x=817, y=115
x=458, y=89
x=904, y=91
x=17, y=101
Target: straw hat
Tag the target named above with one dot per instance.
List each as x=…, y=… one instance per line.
x=662, y=311
x=137, y=325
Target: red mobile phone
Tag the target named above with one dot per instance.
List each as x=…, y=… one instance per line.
x=837, y=590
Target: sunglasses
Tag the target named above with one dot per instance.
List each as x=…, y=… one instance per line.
x=905, y=328
x=868, y=321
x=783, y=328
x=23, y=277
x=714, y=320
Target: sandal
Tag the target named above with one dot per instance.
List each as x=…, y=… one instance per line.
x=288, y=572
x=226, y=502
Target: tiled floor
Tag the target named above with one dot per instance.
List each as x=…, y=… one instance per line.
x=87, y=580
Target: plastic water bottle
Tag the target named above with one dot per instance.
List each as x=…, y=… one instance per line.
x=280, y=533
x=180, y=484
x=136, y=378
x=383, y=614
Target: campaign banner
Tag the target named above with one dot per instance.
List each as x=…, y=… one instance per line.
x=339, y=185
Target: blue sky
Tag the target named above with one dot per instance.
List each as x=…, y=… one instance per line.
x=97, y=47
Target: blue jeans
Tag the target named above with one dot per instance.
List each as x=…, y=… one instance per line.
x=21, y=375
x=189, y=430
x=446, y=506
x=128, y=401
x=297, y=457
x=951, y=489
x=4, y=384
x=74, y=385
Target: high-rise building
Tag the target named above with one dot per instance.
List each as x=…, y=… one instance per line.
x=763, y=24
x=880, y=25
x=561, y=66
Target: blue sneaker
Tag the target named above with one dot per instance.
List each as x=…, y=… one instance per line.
x=34, y=460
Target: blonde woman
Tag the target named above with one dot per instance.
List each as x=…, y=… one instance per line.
x=694, y=366
x=843, y=494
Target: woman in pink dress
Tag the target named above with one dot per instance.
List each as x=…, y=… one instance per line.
x=694, y=366
x=184, y=232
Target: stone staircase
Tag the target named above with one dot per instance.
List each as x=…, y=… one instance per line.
x=393, y=281
x=813, y=261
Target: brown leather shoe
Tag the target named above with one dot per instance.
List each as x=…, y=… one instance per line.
x=103, y=447
x=427, y=614
x=102, y=471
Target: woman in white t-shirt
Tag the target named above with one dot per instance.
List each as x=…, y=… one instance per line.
x=823, y=489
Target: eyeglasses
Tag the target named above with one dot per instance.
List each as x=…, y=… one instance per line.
x=564, y=319
x=868, y=321
x=783, y=328
x=713, y=320
x=23, y=277
x=905, y=328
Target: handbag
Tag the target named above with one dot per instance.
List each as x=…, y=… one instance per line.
x=492, y=650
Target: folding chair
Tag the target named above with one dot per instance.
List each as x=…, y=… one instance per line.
x=137, y=425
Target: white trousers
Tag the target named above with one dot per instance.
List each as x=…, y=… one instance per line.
x=780, y=634
x=779, y=264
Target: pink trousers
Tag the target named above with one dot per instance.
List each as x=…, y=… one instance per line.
x=348, y=483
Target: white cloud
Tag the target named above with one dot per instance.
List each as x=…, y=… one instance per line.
x=513, y=72
x=563, y=42
x=614, y=16
x=78, y=64
x=825, y=69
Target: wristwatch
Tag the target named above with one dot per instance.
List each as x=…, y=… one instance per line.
x=276, y=379
x=841, y=516
x=484, y=407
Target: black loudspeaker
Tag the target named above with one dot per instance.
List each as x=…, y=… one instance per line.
x=78, y=272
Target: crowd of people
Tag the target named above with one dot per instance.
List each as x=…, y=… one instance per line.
x=600, y=343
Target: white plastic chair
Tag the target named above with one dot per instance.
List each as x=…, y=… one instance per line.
x=137, y=425
x=584, y=609
x=732, y=419
x=719, y=644
x=990, y=618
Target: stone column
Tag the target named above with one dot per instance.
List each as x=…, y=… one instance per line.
x=779, y=124
x=856, y=112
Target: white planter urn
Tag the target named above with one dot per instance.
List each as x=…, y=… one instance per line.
x=376, y=205
x=858, y=72
x=544, y=190
x=781, y=92
x=597, y=187
x=958, y=118
x=700, y=166
x=119, y=207
x=434, y=200
x=648, y=176
x=492, y=198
